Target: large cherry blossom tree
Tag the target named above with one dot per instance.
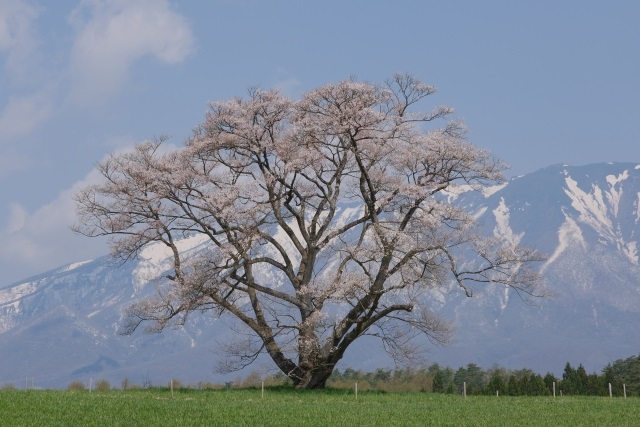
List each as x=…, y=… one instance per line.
x=326, y=217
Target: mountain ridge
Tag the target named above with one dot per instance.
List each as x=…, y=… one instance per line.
x=63, y=324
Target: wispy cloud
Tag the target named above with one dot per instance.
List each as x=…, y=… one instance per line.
x=18, y=38
x=22, y=114
x=286, y=83
x=34, y=241
x=113, y=34
x=41, y=239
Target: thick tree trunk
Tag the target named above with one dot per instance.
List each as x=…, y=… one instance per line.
x=312, y=376
x=313, y=380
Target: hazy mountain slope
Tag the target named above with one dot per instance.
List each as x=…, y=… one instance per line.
x=586, y=220
x=63, y=324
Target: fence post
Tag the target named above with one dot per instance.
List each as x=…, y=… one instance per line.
x=624, y=389
x=610, y=391
x=464, y=389
x=554, y=389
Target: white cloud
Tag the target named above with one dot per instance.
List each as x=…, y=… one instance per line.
x=287, y=84
x=34, y=242
x=17, y=218
x=20, y=46
x=23, y=114
x=289, y=87
x=113, y=34
x=17, y=36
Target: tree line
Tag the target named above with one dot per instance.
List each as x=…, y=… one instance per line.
x=479, y=381
x=622, y=374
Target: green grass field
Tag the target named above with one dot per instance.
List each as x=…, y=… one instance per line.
x=282, y=407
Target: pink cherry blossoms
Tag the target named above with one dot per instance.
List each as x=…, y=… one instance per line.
x=325, y=220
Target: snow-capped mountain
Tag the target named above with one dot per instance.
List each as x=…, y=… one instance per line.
x=586, y=219
x=63, y=325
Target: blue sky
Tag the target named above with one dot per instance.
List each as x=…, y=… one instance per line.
x=537, y=83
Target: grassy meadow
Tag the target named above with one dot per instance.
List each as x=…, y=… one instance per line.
x=286, y=407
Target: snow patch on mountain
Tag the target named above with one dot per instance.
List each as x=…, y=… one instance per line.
x=615, y=194
x=454, y=191
x=613, y=180
x=15, y=293
x=504, y=300
x=598, y=208
x=74, y=265
x=569, y=235
x=502, y=228
x=489, y=191
x=591, y=207
x=347, y=214
x=10, y=303
x=156, y=259
x=287, y=244
x=477, y=214
x=630, y=249
x=7, y=315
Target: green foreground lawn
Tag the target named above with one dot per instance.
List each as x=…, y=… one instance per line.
x=290, y=408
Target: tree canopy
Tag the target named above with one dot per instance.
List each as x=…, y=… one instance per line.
x=326, y=219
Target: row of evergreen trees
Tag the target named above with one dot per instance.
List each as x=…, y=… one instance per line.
x=523, y=382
